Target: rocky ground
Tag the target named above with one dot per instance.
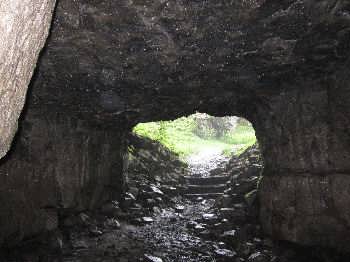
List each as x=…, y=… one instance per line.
x=201, y=163
x=156, y=221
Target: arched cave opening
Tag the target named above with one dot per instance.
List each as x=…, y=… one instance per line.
x=198, y=174
x=204, y=144
x=210, y=150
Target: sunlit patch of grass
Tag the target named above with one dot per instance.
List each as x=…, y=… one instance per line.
x=179, y=137
x=241, y=138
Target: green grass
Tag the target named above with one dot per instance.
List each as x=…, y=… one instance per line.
x=242, y=138
x=178, y=136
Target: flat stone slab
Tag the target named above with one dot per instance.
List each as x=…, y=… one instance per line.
x=211, y=180
x=219, y=188
x=204, y=196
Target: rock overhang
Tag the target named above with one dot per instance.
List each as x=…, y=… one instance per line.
x=129, y=59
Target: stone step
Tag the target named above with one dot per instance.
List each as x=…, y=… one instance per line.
x=212, y=180
x=204, y=189
x=204, y=196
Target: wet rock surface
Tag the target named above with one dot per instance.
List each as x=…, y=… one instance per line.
x=155, y=226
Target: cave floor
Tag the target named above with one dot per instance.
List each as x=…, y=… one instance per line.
x=167, y=237
x=183, y=230
x=178, y=230
x=172, y=237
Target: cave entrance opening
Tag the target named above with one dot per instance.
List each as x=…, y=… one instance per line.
x=201, y=150
x=201, y=137
x=194, y=182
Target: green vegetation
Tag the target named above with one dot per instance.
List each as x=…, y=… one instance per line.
x=243, y=136
x=180, y=136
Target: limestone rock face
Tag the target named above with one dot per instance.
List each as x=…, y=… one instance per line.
x=24, y=25
x=57, y=165
x=304, y=191
x=307, y=209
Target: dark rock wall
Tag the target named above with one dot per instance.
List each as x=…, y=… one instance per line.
x=58, y=165
x=304, y=192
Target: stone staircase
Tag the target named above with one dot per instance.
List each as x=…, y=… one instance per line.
x=205, y=187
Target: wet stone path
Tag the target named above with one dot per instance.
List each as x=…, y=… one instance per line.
x=176, y=233
x=202, y=163
x=159, y=226
x=175, y=241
